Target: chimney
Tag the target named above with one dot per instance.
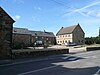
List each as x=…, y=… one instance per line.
x=78, y=24
x=62, y=27
x=44, y=31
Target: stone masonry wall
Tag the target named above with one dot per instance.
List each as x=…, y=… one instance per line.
x=5, y=34
x=21, y=39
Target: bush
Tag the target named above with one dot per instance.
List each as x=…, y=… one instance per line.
x=92, y=40
x=46, y=45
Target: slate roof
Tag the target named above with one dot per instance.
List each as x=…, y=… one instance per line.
x=41, y=33
x=21, y=31
x=66, y=30
x=33, y=33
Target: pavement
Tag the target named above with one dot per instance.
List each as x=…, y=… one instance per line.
x=85, y=63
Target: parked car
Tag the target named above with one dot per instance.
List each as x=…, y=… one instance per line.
x=70, y=44
x=38, y=43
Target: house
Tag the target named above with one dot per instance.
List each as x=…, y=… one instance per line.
x=27, y=37
x=6, y=26
x=73, y=34
x=44, y=37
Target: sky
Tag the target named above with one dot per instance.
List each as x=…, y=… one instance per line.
x=51, y=15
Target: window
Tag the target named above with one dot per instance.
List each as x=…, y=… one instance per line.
x=82, y=36
x=68, y=35
x=49, y=42
x=60, y=41
x=63, y=41
x=66, y=41
x=82, y=41
x=79, y=41
x=47, y=39
x=69, y=41
x=42, y=37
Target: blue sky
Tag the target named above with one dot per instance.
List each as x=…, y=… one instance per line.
x=51, y=15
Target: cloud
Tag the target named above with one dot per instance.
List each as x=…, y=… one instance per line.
x=37, y=8
x=93, y=14
x=17, y=17
x=81, y=9
x=19, y=1
x=98, y=14
x=88, y=6
x=15, y=0
x=35, y=19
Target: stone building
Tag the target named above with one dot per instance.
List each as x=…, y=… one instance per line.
x=70, y=35
x=6, y=26
x=21, y=37
x=44, y=37
x=29, y=38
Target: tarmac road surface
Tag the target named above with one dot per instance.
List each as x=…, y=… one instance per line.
x=85, y=63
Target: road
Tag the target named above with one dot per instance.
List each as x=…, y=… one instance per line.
x=85, y=63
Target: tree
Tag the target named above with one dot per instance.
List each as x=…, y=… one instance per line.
x=98, y=40
x=92, y=40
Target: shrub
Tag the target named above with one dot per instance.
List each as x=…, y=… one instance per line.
x=46, y=45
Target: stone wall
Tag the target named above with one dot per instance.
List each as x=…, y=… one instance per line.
x=5, y=34
x=38, y=53
x=25, y=40
x=21, y=39
x=78, y=36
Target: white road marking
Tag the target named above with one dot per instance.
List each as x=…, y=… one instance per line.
x=98, y=72
x=25, y=73
x=72, y=59
x=65, y=57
